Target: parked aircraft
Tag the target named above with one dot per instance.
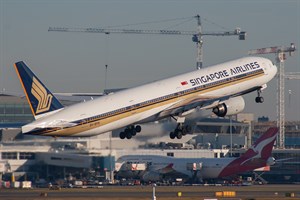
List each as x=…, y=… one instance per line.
x=218, y=88
x=155, y=167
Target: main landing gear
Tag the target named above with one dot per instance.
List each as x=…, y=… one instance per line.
x=259, y=99
x=130, y=131
x=181, y=129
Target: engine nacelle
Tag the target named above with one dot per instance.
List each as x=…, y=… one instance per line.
x=271, y=161
x=231, y=106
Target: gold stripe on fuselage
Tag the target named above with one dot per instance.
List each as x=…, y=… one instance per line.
x=88, y=125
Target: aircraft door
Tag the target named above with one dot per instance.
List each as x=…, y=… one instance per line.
x=194, y=166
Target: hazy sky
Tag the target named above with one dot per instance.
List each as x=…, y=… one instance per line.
x=75, y=62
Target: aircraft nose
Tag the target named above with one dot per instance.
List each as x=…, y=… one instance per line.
x=272, y=69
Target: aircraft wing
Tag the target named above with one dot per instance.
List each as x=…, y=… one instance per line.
x=166, y=172
x=189, y=104
x=205, y=102
x=167, y=169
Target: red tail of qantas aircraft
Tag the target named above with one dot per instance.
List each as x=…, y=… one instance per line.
x=259, y=155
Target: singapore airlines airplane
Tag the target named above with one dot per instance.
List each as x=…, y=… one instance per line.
x=218, y=88
x=157, y=167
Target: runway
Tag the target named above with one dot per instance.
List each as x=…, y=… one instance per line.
x=256, y=192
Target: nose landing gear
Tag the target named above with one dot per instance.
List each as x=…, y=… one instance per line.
x=259, y=98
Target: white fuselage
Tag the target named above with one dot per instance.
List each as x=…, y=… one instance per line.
x=155, y=100
x=206, y=168
x=257, y=156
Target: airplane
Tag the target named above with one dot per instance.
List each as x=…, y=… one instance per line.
x=155, y=167
x=219, y=88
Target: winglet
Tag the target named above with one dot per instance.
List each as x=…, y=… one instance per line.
x=40, y=99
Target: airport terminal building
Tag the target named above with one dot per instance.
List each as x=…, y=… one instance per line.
x=94, y=159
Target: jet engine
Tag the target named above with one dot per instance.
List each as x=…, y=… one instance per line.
x=231, y=106
x=271, y=161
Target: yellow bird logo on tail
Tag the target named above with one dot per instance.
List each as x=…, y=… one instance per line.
x=40, y=93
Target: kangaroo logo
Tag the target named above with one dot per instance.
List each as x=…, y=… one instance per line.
x=257, y=149
x=40, y=93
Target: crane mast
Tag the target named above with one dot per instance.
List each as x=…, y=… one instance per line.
x=197, y=36
x=292, y=75
x=199, y=42
x=280, y=52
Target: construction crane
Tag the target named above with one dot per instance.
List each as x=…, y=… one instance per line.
x=292, y=75
x=197, y=36
x=280, y=52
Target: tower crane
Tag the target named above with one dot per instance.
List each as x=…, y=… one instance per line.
x=280, y=52
x=197, y=36
x=292, y=75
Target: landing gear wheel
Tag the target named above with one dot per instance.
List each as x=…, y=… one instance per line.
x=172, y=135
x=128, y=135
x=259, y=99
x=181, y=129
x=133, y=132
x=138, y=128
x=130, y=131
x=179, y=135
x=176, y=132
x=122, y=135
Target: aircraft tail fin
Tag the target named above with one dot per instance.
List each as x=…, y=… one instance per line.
x=40, y=99
x=258, y=155
x=263, y=145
